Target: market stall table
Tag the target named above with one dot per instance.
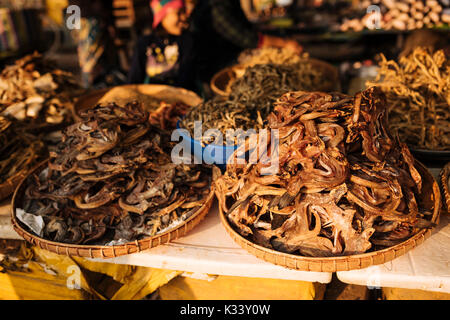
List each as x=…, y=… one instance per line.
x=207, y=249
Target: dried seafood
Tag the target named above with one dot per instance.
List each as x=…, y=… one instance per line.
x=19, y=152
x=35, y=99
x=418, y=95
x=344, y=184
x=167, y=115
x=32, y=90
x=252, y=97
x=112, y=179
x=252, y=57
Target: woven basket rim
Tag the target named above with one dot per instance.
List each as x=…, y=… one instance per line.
x=445, y=180
x=93, y=93
x=7, y=188
x=195, y=218
x=403, y=247
x=333, y=71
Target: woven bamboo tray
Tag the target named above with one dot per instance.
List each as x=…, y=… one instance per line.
x=445, y=184
x=99, y=251
x=221, y=82
x=129, y=92
x=431, y=201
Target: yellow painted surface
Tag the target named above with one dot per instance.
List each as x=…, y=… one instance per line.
x=240, y=288
x=36, y=286
x=35, y=273
x=412, y=294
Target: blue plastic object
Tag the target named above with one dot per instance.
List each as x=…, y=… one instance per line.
x=211, y=154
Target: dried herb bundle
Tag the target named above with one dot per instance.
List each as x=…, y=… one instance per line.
x=112, y=179
x=252, y=97
x=418, y=95
x=343, y=184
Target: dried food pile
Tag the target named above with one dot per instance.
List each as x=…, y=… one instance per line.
x=418, y=95
x=112, y=179
x=252, y=57
x=19, y=152
x=344, y=184
x=33, y=91
x=252, y=97
x=167, y=114
x=163, y=114
x=35, y=99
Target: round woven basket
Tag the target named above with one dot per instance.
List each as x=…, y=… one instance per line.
x=129, y=92
x=445, y=184
x=99, y=251
x=344, y=263
x=7, y=188
x=221, y=82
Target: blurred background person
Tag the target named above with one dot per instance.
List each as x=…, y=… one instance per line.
x=222, y=31
x=166, y=55
x=97, y=53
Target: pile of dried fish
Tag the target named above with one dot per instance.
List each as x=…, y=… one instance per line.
x=344, y=185
x=418, y=95
x=34, y=91
x=19, y=152
x=252, y=97
x=111, y=180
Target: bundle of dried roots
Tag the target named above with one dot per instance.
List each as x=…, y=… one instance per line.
x=112, y=179
x=418, y=95
x=343, y=184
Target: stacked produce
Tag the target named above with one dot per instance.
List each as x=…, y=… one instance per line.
x=418, y=96
x=344, y=184
x=401, y=15
x=111, y=180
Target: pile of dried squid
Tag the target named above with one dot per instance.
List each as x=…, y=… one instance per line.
x=111, y=180
x=344, y=185
x=418, y=95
